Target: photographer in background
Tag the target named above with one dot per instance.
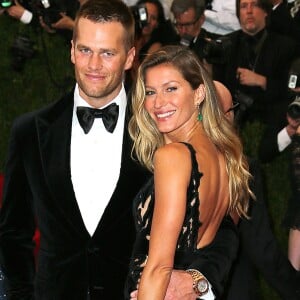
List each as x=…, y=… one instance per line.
x=277, y=142
x=188, y=20
x=256, y=68
x=19, y=12
x=53, y=15
x=60, y=18
x=65, y=22
x=292, y=217
x=152, y=31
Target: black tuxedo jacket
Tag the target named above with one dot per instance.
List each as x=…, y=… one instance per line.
x=281, y=21
x=38, y=192
x=259, y=251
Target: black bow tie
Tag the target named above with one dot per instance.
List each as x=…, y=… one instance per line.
x=87, y=115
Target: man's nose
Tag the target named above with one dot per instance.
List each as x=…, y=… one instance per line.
x=182, y=30
x=95, y=61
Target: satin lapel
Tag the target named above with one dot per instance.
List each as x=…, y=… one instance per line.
x=54, y=132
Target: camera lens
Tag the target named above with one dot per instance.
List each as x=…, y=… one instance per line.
x=294, y=109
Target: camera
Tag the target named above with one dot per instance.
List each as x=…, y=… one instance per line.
x=294, y=74
x=140, y=15
x=22, y=49
x=293, y=81
x=213, y=51
x=48, y=10
x=6, y=3
x=245, y=102
x=294, y=108
x=216, y=51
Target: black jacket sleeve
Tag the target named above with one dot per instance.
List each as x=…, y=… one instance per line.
x=262, y=248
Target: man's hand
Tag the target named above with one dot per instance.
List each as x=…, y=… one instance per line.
x=250, y=78
x=180, y=287
x=65, y=22
x=293, y=125
x=16, y=11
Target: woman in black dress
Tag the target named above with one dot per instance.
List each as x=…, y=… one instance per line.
x=200, y=177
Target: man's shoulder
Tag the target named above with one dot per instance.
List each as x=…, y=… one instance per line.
x=283, y=44
x=48, y=112
x=234, y=34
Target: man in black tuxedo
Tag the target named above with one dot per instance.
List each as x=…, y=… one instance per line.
x=76, y=187
x=73, y=177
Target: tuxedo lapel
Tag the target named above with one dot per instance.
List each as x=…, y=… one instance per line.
x=54, y=135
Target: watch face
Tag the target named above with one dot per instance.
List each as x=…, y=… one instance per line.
x=202, y=286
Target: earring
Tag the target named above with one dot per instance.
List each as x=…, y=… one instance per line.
x=199, y=117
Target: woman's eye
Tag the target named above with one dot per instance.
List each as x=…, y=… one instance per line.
x=149, y=93
x=171, y=89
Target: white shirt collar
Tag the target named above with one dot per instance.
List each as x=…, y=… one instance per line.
x=121, y=100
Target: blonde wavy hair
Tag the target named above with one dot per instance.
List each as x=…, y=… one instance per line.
x=147, y=139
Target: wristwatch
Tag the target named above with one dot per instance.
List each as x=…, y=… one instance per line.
x=200, y=284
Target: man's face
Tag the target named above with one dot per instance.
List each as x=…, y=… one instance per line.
x=100, y=59
x=252, y=17
x=188, y=24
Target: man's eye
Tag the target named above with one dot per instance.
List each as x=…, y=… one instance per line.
x=108, y=54
x=84, y=50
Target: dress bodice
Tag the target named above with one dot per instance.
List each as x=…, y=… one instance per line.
x=143, y=211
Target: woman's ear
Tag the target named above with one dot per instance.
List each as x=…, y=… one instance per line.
x=200, y=94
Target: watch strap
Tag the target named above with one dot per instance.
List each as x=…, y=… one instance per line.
x=200, y=283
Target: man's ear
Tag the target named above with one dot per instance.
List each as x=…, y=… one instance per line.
x=130, y=58
x=72, y=52
x=202, y=20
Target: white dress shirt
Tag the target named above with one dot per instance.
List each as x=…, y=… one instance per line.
x=95, y=162
x=283, y=139
x=26, y=17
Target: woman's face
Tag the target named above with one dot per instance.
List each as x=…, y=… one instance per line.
x=152, y=18
x=170, y=99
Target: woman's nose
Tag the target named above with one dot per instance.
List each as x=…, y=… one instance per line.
x=160, y=100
